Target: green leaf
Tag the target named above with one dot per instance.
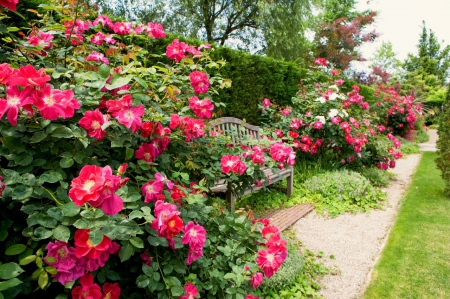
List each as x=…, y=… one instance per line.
x=104, y=71
x=126, y=251
x=112, y=275
x=142, y=281
x=23, y=159
x=133, y=214
x=27, y=260
x=129, y=153
x=51, y=270
x=43, y=280
x=28, y=179
x=10, y=270
x=141, y=82
x=167, y=269
x=41, y=233
x=4, y=285
x=137, y=242
x=70, y=209
x=21, y=192
x=15, y=249
x=47, y=221
x=38, y=137
x=48, y=177
x=92, y=214
x=62, y=132
x=66, y=162
x=230, y=291
x=176, y=291
x=61, y=233
x=96, y=237
x=118, y=81
x=229, y=276
x=3, y=234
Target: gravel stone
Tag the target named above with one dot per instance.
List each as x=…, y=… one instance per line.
x=355, y=240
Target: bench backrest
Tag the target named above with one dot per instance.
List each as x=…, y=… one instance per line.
x=227, y=124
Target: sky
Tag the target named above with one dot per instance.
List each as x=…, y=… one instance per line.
x=400, y=22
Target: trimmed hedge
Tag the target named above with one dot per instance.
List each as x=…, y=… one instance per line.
x=443, y=143
x=255, y=77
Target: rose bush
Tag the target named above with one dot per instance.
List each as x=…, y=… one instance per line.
x=324, y=121
x=105, y=160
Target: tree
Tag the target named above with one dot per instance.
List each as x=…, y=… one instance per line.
x=385, y=58
x=275, y=28
x=430, y=60
x=342, y=32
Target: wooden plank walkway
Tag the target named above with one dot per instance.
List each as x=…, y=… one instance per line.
x=287, y=217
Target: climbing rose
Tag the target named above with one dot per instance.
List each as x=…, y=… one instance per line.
x=9, y=4
x=152, y=191
x=15, y=99
x=201, y=108
x=67, y=265
x=176, y=50
x=250, y=296
x=88, y=289
x=321, y=61
x=55, y=103
x=88, y=185
x=28, y=76
x=111, y=290
x=266, y=103
x=84, y=246
x=155, y=30
x=269, y=260
x=233, y=164
x=256, y=279
x=190, y=291
x=199, y=81
x=167, y=223
x=92, y=122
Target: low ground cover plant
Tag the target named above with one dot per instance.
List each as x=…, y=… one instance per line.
x=343, y=191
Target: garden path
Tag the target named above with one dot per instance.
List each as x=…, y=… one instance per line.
x=430, y=145
x=352, y=243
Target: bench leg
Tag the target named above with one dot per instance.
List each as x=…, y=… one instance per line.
x=290, y=184
x=229, y=198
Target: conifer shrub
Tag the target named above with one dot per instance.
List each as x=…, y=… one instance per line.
x=443, y=143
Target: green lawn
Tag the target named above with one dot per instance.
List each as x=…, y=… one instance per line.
x=416, y=260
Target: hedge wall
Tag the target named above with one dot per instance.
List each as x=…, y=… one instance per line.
x=255, y=77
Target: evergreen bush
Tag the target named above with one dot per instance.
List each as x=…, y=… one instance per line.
x=443, y=143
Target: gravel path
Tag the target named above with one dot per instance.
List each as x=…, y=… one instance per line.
x=354, y=241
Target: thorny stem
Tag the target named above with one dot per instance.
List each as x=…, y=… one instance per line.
x=51, y=194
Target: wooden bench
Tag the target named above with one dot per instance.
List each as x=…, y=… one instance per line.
x=230, y=124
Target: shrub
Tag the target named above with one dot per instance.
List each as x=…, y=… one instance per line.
x=443, y=143
x=377, y=177
x=344, y=191
x=342, y=127
x=104, y=162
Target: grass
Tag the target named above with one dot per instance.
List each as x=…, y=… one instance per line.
x=416, y=260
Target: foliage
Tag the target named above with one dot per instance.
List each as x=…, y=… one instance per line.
x=341, y=33
x=276, y=29
x=377, y=177
x=344, y=191
x=255, y=77
x=409, y=147
x=398, y=114
x=443, y=143
x=422, y=136
x=430, y=59
x=343, y=127
x=105, y=158
x=385, y=57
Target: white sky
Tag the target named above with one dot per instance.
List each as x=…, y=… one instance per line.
x=400, y=22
